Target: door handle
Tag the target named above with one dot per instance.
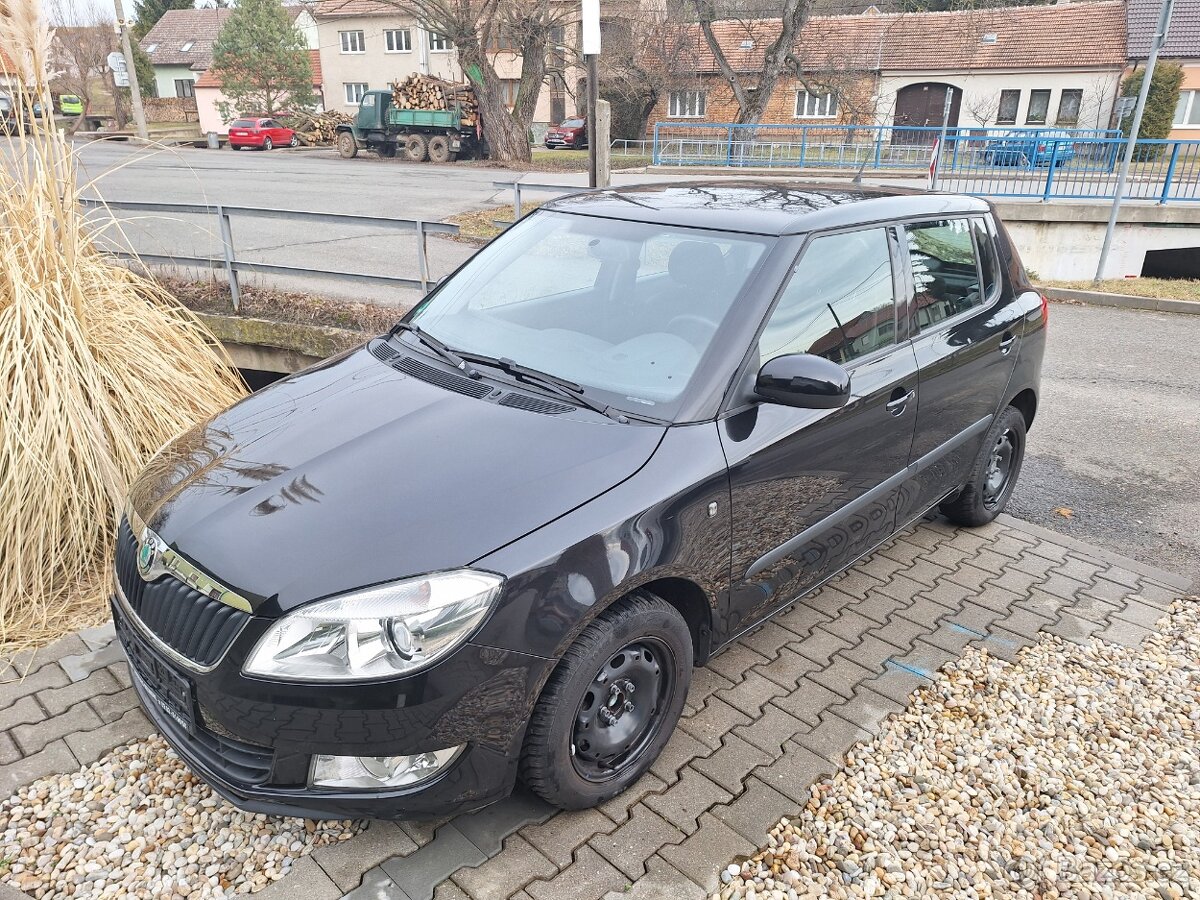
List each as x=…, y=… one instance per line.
x=1006, y=343
x=896, y=407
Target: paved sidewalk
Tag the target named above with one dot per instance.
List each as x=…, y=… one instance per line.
x=767, y=717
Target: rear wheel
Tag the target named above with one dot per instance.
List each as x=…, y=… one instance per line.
x=347, y=146
x=439, y=148
x=294, y=142
x=416, y=147
x=267, y=145
x=994, y=474
x=611, y=704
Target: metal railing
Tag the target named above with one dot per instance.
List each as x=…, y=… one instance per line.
x=519, y=186
x=623, y=147
x=231, y=265
x=997, y=162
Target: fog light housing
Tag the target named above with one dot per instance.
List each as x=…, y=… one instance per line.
x=375, y=772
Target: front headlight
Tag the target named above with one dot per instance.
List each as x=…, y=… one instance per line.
x=393, y=629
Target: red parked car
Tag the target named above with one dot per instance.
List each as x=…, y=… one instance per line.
x=571, y=135
x=261, y=133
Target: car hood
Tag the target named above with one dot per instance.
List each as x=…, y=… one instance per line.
x=352, y=473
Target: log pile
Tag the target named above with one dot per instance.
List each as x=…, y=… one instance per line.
x=419, y=91
x=318, y=128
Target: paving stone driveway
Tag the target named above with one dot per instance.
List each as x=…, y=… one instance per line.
x=764, y=719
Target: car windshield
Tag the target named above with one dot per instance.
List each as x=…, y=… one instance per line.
x=624, y=309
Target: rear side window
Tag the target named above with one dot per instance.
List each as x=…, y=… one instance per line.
x=945, y=274
x=989, y=265
x=839, y=302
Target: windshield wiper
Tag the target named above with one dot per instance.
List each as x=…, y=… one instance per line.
x=568, y=390
x=457, y=360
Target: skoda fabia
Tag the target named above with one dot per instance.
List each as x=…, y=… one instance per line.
x=493, y=543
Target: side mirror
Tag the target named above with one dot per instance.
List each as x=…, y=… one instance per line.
x=803, y=380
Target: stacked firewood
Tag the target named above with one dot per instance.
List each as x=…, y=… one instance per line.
x=419, y=91
x=318, y=128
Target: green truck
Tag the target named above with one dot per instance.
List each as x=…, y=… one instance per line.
x=437, y=135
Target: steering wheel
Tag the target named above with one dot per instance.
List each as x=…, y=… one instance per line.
x=695, y=329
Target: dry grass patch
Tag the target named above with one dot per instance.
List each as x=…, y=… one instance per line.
x=1159, y=288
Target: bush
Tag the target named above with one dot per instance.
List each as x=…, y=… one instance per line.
x=1160, y=106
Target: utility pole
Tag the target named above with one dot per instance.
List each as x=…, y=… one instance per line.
x=591, y=52
x=135, y=93
x=1135, y=127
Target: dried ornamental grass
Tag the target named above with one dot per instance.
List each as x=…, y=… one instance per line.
x=99, y=367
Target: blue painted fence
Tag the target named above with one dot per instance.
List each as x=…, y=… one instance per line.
x=998, y=162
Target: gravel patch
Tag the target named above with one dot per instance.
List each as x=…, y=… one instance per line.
x=138, y=823
x=1074, y=773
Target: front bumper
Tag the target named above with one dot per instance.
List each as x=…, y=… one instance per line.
x=253, y=741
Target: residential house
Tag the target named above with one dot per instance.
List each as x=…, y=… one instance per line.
x=1182, y=46
x=1017, y=66
x=368, y=45
x=209, y=96
x=180, y=48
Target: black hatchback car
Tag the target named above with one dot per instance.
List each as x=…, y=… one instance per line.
x=493, y=543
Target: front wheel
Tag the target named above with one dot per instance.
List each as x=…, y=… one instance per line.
x=994, y=474
x=347, y=146
x=611, y=704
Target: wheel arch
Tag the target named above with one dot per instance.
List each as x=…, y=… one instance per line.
x=1025, y=402
x=691, y=602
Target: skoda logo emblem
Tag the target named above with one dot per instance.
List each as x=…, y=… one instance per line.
x=145, y=558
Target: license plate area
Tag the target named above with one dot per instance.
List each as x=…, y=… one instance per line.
x=171, y=690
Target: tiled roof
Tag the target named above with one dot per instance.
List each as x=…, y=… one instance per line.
x=211, y=79
x=179, y=27
x=1072, y=35
x=336, y=9
x=1183, y=35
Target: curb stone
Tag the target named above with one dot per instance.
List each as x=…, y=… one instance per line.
x=1124, y=301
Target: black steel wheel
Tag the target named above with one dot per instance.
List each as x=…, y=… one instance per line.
x=610, y=705
x=994, y=473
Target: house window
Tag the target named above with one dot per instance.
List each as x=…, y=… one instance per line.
x=502, y=39
x=185, y=87
x=1039, y=106
x=686, y=105
x=398, y=40
x=187, y=46
x=353, y=42
x=439, y=43
x=150, y=48
x=508, y=91
x=1187, y=111
x=1068, y=107
x=1006, y=112
x=354, y=92
x=810, y=105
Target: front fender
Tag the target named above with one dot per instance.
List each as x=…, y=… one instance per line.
x=671, y=519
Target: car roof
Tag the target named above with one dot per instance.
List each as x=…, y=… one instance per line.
x=762, y=207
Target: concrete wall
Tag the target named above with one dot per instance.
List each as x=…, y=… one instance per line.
x=1062, y=240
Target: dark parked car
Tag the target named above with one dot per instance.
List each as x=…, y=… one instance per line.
x=1030, y=148
x=494, y=542
x=570, y=135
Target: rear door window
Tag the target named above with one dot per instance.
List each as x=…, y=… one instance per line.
x=839, y=302
x=944, y=269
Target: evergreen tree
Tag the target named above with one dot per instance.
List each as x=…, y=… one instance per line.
x=262, y=61
x=1160, y=102
x=150, y=11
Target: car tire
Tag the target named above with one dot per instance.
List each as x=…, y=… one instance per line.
x=294, y=142
x=439, y=148
x=993, y=475
x=641, y=641
x=416, y=147
x=266, y=144
x=347, y=146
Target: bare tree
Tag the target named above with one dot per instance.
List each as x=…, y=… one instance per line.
x=528, y=27
x=984, y=107
x=80, y=49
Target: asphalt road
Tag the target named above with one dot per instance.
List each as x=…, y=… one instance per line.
x=1117, y=437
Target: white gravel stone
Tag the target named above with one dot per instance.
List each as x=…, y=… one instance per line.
x=138, y=823
x=1074, y=773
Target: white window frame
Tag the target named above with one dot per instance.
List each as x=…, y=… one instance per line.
x=391, y=39
x=353, y=41
x=352, y=95
x=689, y=104
x=825, y=105
x=186, y=46
x=1187, y=109
x=438, y=42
